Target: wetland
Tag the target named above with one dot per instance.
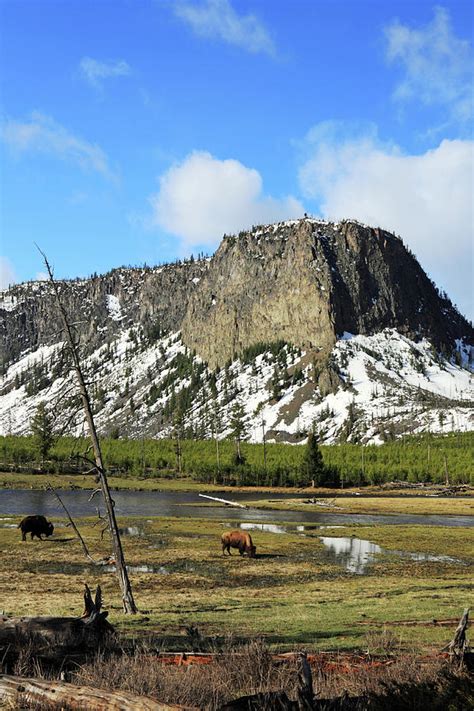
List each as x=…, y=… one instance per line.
x=324, y=579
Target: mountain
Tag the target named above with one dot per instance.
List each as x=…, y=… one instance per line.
x=287, y=324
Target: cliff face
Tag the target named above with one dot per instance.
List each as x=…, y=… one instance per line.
x=306, y=282
x=290, y=291
x=262, y=286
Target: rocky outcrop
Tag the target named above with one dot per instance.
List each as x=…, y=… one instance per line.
x=303, y=281
x=261, y=287
x=306, y=282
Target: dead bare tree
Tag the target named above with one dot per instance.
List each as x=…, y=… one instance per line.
x=122, y=574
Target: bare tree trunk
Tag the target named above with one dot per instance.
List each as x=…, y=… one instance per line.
x=127, y=596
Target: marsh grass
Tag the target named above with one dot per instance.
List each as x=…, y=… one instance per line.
x=387, y=505
x=291, y=594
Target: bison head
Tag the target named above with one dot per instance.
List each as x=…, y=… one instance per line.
x=49, y=529
x=251, y=551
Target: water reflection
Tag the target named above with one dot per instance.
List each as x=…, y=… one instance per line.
x=354, y=554
x=268, y=527
x=138, y=569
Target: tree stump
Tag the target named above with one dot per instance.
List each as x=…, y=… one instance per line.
x=53, y=639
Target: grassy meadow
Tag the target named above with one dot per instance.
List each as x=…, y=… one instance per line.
x=291, y=594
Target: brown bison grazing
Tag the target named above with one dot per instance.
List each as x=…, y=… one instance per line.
x=240, y=540
x=36, y=525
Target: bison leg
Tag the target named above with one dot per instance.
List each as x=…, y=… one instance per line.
x=23, y=535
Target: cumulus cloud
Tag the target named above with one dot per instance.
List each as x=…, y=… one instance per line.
x=94, y=72
x=7, y=273
x=426, y=198
x=42, y=134
x=217, y=18
x=202, y=198
x=438, y=65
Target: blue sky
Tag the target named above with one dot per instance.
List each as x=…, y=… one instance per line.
x=139, y=131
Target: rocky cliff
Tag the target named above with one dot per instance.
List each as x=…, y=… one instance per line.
x=299, y=322
x=303, y=281
x=306, y=282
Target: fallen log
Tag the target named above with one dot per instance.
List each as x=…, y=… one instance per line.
x=224, y=501
x=80, y=698
x=54, y=638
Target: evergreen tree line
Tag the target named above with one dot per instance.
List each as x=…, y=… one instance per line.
x=233, y=461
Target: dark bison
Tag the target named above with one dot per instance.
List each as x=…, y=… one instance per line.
x=36, y=525
x=240, y=540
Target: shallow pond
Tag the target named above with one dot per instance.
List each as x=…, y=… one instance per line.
x=354, y=554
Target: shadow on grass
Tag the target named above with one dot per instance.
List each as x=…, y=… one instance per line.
x=311, y=638
x=269, y=556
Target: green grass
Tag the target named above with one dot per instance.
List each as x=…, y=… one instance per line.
x=292, y=593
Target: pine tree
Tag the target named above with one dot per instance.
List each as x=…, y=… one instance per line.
x=42, y=429
x=312, y=466
x=238, y=431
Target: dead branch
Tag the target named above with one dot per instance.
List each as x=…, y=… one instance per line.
x=53, y=638
x=76, y=530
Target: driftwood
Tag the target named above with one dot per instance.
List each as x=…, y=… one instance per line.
x=224, y=501
x=80, y=698
x=53, y=639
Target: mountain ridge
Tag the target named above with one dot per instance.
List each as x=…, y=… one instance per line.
x=260, y=324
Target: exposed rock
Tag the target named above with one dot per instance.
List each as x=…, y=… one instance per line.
x=306, y=282
x=279, y=303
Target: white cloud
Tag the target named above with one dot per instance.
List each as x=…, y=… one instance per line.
x=217, y=18
x=427, y=199
x=202, y=198
x=438, y=65
x=95, y=72
x=7, y=273
x=43, y=134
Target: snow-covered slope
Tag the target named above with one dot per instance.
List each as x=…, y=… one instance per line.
x=380, y=387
